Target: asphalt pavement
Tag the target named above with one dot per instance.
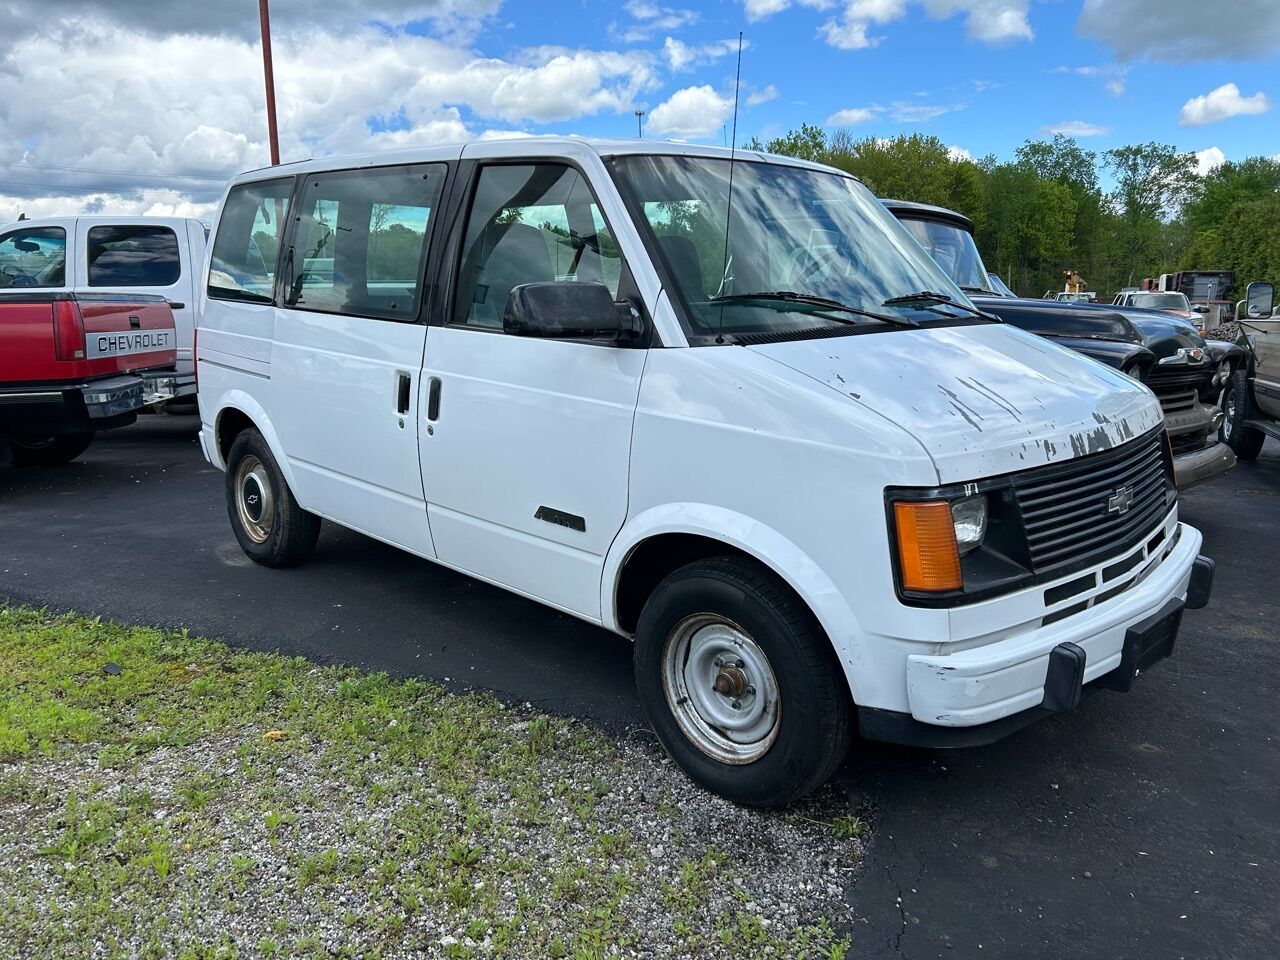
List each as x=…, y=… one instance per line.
x=1143, y=825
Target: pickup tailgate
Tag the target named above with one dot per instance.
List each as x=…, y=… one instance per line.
x=62, y=337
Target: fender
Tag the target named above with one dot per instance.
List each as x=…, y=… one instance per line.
x=757, y=540
x=244, y=403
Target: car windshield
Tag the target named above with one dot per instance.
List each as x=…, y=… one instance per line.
x=1161, y=301
x=811, y=235
x=955, y=252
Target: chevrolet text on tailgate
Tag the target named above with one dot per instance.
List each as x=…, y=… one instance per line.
x=769, y=439
x=70, y=364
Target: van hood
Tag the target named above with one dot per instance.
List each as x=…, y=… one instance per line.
x=981, y=399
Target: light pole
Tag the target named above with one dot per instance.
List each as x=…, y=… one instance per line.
x=264, y=18
x=639, y=123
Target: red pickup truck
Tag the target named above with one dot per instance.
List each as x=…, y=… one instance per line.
x=73, y=364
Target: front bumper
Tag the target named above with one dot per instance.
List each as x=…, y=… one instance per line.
x=978, y=695
x=1197, y=466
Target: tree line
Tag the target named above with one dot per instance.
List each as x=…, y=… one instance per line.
x=1046, y=211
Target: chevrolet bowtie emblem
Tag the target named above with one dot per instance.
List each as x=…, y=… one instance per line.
x=1120, y=501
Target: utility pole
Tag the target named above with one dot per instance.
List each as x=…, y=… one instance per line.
x=264, y=18
x=639, y=123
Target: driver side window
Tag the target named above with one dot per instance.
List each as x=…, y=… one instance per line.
x=34, y=257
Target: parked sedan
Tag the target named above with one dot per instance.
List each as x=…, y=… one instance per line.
x=1162, y=350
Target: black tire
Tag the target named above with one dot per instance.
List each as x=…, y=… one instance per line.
x=281, y=533
x=48, y=451
x=813, y=719
x=1245, y=442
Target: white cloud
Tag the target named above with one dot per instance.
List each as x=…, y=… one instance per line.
x=1076, y=128
x=905, y=112
x=1220, y=104
x=763, y=95
x=1116, y=87
x=992, y=22
x=1206, y=160
x=1113, y=73
x=852, y=116
x=130, y=109
x=959, y=153
x=153, y=203
x=651, y=19
x=1178, y=31
x=684, y=56
x=691, y=112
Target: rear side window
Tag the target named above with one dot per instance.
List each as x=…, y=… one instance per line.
x=243, y=261
x=360, y=241
x=34, y=257
x=131, y=255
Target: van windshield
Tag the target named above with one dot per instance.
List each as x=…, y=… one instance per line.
x=955, y=251
x=809, y=234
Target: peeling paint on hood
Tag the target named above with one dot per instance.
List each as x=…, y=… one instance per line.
x=982, y=399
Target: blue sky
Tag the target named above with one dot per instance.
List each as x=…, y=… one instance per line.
x=104, y=105
x=995, y=95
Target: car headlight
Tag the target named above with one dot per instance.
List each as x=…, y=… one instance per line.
x=1222, y=374
x=969, y=519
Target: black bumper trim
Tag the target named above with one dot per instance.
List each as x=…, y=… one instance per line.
x=1201, y=583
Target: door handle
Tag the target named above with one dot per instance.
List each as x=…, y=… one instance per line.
x=433, y=398
x=403, y=383
x=176, y=305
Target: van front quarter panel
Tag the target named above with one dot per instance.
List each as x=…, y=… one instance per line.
x=710, y=423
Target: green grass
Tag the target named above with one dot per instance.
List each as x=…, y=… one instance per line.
x=202, y=802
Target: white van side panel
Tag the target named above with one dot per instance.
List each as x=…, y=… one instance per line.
x=353, y=456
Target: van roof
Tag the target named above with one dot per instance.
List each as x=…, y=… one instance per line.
x=526, y=146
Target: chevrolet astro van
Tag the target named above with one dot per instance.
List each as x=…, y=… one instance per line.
x=723, y=404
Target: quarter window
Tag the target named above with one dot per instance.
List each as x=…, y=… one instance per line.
x=33, y=257
x=529, y=224
x=243, y=261
x=361, y=240
x=133, y=256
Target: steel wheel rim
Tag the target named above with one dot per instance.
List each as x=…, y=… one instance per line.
x=255, y=503
x=702, y=651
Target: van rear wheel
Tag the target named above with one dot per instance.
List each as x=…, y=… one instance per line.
x=270, y=525
x=740, y=683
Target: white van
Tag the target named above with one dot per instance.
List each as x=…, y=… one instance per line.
x=767, y=438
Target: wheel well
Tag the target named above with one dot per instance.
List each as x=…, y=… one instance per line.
x=652, y=560
x=231, y=423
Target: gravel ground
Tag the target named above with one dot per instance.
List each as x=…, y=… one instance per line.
x=300, y=811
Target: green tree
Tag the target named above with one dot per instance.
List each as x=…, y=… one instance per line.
x=1153, y=182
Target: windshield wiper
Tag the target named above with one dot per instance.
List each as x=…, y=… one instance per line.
x=928, y=298
x=790, y=296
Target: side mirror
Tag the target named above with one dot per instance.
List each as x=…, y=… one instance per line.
x=1259, y=299
x=1199, y=308
x=570, y=310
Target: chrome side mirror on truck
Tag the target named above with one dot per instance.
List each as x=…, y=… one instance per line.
x=570, y=310
x=1259, y=299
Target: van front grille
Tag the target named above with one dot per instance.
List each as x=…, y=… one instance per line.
x=1095, y=506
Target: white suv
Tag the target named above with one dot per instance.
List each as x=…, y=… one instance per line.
x=723, y=404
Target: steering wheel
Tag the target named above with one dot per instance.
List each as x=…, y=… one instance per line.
x=802, y=273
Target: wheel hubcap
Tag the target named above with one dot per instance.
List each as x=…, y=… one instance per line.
x=721, y=689
x=255, y=504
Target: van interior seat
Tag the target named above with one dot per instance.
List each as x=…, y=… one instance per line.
x=519, y=256
x=682, y=256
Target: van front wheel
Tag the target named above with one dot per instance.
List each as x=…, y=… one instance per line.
x=268, y=522
x=740, y=682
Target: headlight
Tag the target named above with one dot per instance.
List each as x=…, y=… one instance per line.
x=1223, y=373
x=969, y=517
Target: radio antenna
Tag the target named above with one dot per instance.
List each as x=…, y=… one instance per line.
x=728, y=208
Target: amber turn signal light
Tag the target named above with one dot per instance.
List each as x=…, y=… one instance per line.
x=927, y=553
